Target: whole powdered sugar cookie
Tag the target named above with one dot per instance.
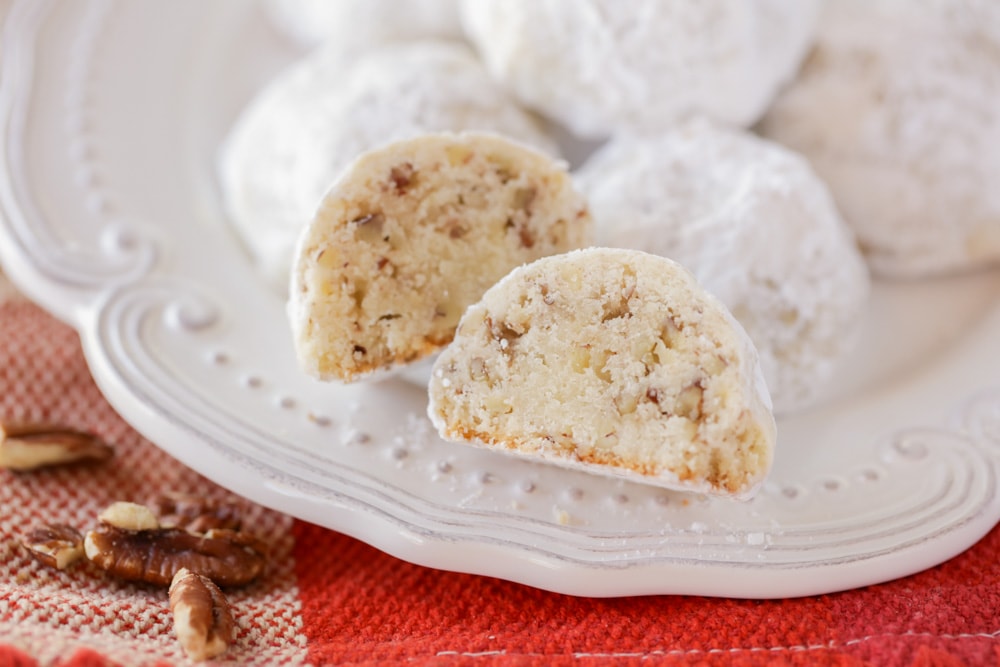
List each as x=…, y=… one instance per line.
x=898, y=109
x=599, y=66
x=412, y=233
x=612, y=361
x=756, y=227
x=306, y=125
x=349, y=25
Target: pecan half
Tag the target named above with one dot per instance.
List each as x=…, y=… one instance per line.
x=195, y=514
x=54, y=545
x=30, y=446
x=203, y=619
x=154, y=556
x=128, y=516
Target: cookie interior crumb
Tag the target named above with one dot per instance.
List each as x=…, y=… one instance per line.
x=411, y=235
x=609, y=359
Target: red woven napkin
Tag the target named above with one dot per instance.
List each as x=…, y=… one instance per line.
x=329, y=599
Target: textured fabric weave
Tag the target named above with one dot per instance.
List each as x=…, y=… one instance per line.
x=329, y=599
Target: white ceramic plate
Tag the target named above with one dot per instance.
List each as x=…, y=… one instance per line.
x=112, y=112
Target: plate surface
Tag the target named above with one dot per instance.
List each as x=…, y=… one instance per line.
x=112, y=112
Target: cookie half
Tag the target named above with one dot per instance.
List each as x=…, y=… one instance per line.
x=613, y=361
x=413, y=233
x=307, y=124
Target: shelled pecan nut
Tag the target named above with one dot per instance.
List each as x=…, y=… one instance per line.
x=25, y=446
x=128, y=516
x=227, y=557
x=55, y=545
x=203, y=619
x=195, y=514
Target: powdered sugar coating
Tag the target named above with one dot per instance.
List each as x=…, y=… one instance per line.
x=353, y=24
x=599, y=66
x=303, y=128
x=898, y=109
x=756, y=227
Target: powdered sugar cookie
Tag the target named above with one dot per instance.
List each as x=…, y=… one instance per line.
x=291, y=141
x=898, y=109
x=613, y=361
x=758, y=229
x=350, y=25
x=414, y=232
x=600, y=66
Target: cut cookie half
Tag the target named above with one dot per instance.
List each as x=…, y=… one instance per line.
x=307, y=124
x=612, y=361
x=413, y=233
